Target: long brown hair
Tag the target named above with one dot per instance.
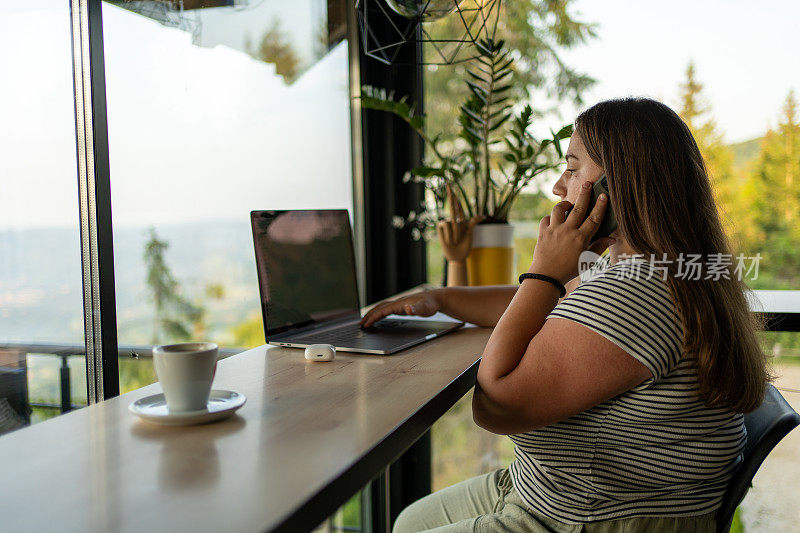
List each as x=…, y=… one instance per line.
x=662, y=197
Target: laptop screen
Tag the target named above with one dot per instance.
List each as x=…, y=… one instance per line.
x=306, y=268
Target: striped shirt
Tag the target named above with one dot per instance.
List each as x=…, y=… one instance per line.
x=654, y=450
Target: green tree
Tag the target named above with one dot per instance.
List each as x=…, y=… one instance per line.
x=274, y=49
x=175, y=317
x=535, y=32
x=771, y=189
x=250, y=333
x=135, y=373
x=786, y=158
x=531, y=206
x=696, y=112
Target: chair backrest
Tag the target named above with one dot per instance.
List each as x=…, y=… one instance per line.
x=766, y=426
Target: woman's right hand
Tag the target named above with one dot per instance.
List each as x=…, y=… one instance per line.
x=425, y=303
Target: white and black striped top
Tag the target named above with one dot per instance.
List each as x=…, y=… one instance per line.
x=655, y=450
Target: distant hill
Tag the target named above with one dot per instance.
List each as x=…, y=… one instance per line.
x=41, y=286
x=745, y=151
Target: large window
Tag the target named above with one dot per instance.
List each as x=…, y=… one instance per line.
x=214, y=112
x=42, y=369
x=222, y=110
x=732, y=75
x=214, y=108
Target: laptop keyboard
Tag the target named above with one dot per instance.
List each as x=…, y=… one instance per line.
x=351, y=333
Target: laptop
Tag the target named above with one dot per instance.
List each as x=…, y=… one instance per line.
x=307, y=280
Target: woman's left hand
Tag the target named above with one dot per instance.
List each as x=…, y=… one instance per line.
x=561, y=242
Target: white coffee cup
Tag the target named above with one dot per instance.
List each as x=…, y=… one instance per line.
x=186, y=372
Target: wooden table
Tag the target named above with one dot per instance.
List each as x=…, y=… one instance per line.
x=309, y=437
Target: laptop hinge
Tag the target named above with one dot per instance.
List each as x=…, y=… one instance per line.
x=318, y=326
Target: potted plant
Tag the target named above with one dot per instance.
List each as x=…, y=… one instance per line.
x=485, y=167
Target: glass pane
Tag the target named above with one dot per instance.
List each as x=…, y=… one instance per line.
x=751, y=144
x=461, y=450
x=347, y=518
x=748, y=132
x=215, y=110
x=42, y=362
x=771, y=504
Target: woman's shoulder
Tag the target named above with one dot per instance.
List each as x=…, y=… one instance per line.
x=633, y=286
x=629, y=274
x=630, y=304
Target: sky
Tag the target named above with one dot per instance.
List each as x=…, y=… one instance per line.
x=746, y=54
x=195, y=132
x=197, y=129
x=211, y=132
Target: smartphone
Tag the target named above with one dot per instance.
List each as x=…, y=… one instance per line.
x=609, y=223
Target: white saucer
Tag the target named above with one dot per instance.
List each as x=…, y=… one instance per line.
x=221, y=404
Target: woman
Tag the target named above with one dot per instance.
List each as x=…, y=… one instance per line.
x=626, y=408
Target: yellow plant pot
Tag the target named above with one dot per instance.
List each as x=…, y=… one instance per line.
x=491, y=259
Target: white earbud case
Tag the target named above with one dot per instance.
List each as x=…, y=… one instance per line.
x=320, y=352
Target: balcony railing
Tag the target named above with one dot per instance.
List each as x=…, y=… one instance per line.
x=14, y=374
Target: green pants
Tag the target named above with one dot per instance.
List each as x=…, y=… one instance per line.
x=490, y=504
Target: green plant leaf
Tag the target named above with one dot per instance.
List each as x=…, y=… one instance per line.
x=497, y=124
x=500, y=63
x=399, y=108
x=427, y=172
x=483, y=61
x=471, y=114
x=565, y=132
x=506, y=65
x=475, y=87
x=477, y=76
x=501, y=111
x=474, y=133
x=478, y=93
x=503, y=75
